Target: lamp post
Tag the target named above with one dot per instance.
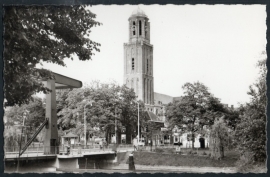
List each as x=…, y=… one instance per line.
x=115, y=115
x=24, y=116
x=138, y=123
x=115, y=126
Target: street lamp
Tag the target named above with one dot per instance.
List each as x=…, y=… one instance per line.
x=115, y=114
x=115, y=126
x=138, y=123
x=24, y=117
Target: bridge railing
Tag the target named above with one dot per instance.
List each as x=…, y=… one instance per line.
x=38, y=150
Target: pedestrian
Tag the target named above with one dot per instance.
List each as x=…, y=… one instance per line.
x=135, y=144
x=179, y=147
x=105, y=145
x=101, y=145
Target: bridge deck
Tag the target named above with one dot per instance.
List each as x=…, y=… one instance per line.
x=29, y=156
x=73, y=154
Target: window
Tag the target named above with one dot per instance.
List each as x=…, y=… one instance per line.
x=147, y=65
x=145, y=26
x=134, y=29
x=140, y=27
x=132, y=63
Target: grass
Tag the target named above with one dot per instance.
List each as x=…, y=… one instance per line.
x=168, y=158
x=253, y=168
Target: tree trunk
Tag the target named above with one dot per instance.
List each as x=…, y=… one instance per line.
x=192, y=139
x=216, y=148
x=118, y=137
x=128, y=135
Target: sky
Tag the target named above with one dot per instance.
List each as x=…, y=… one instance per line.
x=218, y=45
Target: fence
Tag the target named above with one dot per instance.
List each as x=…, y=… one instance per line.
x=63, y=149
x=76, y=148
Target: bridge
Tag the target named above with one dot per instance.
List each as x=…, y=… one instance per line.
x=37, y=152
x=50, y=153
x=77, y=158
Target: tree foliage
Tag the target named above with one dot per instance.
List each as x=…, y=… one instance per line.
x=196, y=109
x=37, y=34
x=219, y=138
x=33, y=113
x=102, y=105
x=153, y=128
x=251, y=131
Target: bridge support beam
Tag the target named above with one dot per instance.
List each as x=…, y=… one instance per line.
x=51, y=144
x=51, y=136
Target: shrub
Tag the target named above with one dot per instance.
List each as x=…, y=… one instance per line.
x=247, y=163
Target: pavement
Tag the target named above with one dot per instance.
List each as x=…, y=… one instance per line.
x=164, y=168
x=123, y=168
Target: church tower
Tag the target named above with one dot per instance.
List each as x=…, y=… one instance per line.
x=138, y=58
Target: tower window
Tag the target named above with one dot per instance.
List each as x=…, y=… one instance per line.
x=145, y=26
x=147, y=65
x=132, y=63
x=140, y=27
x=134, y=28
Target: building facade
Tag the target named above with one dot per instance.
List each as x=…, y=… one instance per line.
x=138, y=58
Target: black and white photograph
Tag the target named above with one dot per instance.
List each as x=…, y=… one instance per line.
x=135, y=88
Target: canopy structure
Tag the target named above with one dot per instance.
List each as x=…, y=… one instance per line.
x=51, y=136
x=69, y=138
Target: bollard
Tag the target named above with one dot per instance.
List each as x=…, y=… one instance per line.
x=85, y=163
x=131, y=165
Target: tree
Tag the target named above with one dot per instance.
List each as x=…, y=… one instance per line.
x=196, y=109
x=12, y=139
x=110, y=103
x=151, y=129
x=34, y=114
x=219, y=138
x=37, y=34
x=251, y=131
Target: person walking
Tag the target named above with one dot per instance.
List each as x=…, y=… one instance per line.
x=105, y=145
x=101, y=145
x=135, y=144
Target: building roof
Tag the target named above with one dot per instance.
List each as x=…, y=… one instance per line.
x=179, y=98
x=161, y=99
x=138, y=12
x=70, y=135
x=153, y=117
